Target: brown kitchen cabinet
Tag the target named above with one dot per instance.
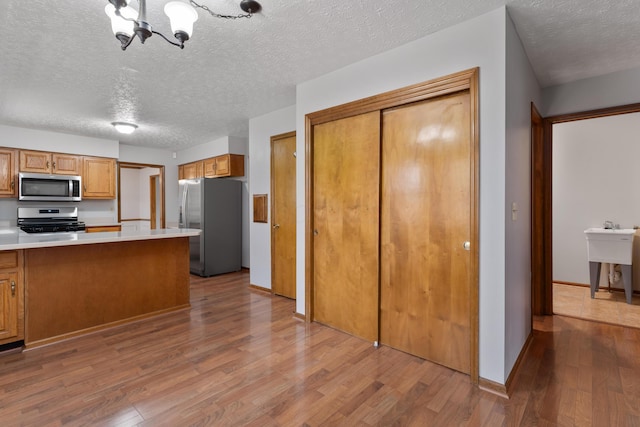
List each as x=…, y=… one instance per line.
x=45, y=162
x=191, y=170
x=224, y=165
x=11, y=297
x=213, y=167
x=102, y=228
x=8, y=184
x=98, y=178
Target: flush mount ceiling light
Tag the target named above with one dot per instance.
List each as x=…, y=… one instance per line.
x=127, y=22
x=125, y=128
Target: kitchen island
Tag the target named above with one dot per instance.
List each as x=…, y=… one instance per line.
x=75, y=283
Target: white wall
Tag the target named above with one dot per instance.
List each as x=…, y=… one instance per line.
x=57, y=142
x=129, y=193
x=595, y=176
x=479, y=42
x=589, y=94
x=224, y=145
x=522, y=89
x=154, y=156
x=134, y=192
x=261, y=129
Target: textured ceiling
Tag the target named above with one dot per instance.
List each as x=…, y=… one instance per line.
x=61, y=69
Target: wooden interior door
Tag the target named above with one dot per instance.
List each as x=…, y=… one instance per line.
x=283, y=215
x=426, y=218
x=346, y=168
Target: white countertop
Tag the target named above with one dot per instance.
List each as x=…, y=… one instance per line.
x=14, y=238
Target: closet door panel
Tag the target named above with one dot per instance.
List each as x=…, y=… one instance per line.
x=346, y=169
x=425, y=220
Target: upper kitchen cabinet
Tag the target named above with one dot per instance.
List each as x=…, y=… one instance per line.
x=213, y=167
x=54, y=163
x=191, y=170
x=66, y=164
x=8, y=185
x=98, y=178
x=224, y=165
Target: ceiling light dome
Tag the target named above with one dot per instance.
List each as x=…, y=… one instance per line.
x=126, y=128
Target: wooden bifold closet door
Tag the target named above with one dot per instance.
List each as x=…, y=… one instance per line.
x=425, y=222
x=393, y=240
x=346, y=222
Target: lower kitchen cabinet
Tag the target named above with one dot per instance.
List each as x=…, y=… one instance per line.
x=11, y=297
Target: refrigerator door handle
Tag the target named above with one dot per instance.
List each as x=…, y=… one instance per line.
x=184, y=205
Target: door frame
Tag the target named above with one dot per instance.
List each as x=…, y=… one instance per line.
x=153, y=206
x=541, y=204
x=131, y=165
x=272, y=208
x=464, y=80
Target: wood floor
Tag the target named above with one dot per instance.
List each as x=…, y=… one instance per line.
x=609, y=307
x=239, y=358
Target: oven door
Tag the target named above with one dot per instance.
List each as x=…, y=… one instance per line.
x=43, y=187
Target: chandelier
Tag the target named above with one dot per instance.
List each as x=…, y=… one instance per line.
x=126, y=22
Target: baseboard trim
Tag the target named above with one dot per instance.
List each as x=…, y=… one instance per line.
x=493, y=387
x=516, y=366
x=505, y=390
x=299, y=316
x=259, y=288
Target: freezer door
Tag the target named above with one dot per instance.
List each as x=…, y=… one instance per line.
x=192, y=210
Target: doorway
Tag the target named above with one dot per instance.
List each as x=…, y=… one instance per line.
x=572, y=296
x=154, y=196
x=141, y=196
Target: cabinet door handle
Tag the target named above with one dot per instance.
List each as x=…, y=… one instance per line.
x=54, y=165
x=13, y=288
x=47, y=165
x=84, y=187
x=13, y=185
x=276, y=226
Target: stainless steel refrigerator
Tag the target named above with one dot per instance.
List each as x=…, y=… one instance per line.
x=213, y=205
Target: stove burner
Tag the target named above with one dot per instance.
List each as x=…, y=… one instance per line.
x=49, y=220
x=52, y=227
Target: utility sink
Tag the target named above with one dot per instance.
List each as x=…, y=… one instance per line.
x=610, y=245
x=614, y=246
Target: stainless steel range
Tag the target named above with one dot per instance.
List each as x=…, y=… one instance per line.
x=49, y=220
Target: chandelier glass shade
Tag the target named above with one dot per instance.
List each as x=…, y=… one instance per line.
x=182, y=17
x=126, y=22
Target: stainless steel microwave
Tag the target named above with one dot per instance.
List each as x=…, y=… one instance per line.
x=42, y=187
